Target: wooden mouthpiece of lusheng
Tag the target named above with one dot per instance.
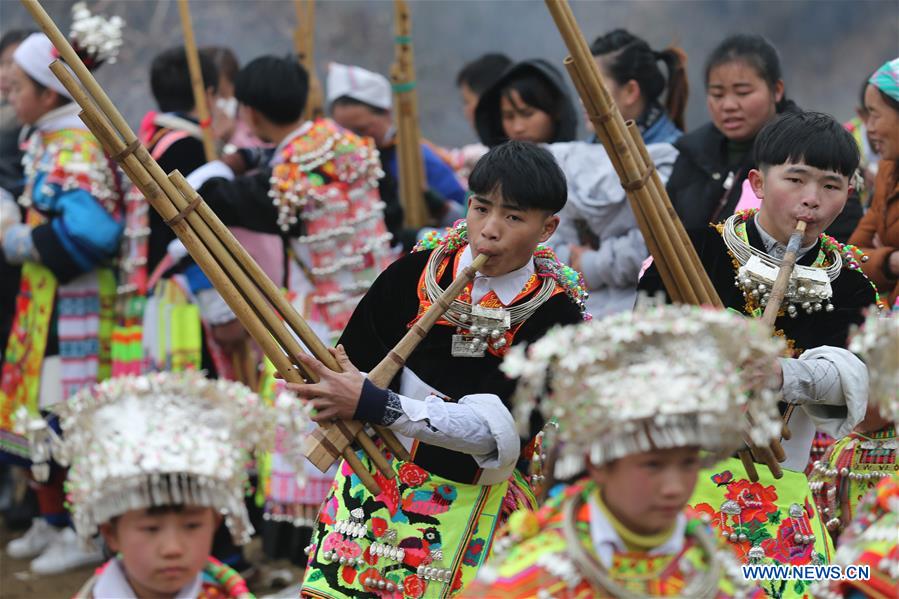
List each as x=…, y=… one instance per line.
x=777, y=449
x=748, y=465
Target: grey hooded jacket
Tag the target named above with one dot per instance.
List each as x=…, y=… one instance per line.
x=598, y=208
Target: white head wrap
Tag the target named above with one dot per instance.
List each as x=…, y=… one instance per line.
x=358, y=84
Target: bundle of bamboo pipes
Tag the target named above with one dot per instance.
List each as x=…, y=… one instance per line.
x=304, y=45
x=256, y=301
x=408, y=142
x=672, y=251
x=325, y=445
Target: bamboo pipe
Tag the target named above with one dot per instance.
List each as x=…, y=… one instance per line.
x=411, y=166
x=196, y=81
x=282, y=335
x=788, y=263
x=396, y=358
x=625, y=160
x=99, y=97
x=154, y=183
x=657, y=189
x=320, y=442
x=188, y=236
x=304, y=44
x=778, y=290
x=154, y=193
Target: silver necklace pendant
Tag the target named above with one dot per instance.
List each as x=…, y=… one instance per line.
x=488, y=326
x=809, y=289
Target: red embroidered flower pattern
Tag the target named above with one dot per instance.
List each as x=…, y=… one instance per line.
x=390, y=493
x=413, y=475
x=348, y=574
x=784, y=548
x=707, y=513
x=756, y=500
x=378, y=527
x=413, y=586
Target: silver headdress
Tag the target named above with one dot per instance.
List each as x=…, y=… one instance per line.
x=164, y=439
x=659, y=377
x=877, y=343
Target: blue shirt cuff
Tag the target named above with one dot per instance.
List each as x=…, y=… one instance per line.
x=372, y=403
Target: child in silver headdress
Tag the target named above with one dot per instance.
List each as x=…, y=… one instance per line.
x=156, y=463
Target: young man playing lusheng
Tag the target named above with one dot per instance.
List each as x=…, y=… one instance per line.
x=807, y=161
x=449, y=404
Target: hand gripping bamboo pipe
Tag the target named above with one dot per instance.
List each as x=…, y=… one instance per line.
x=323, y=446
x=673, y=253
x=241, y=282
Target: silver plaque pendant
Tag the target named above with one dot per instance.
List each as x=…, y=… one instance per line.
x=467, y=346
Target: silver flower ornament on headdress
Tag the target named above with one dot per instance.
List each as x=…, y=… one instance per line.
x=96, y=37
x=164, y=439
x=877, y=343
x=659, y=377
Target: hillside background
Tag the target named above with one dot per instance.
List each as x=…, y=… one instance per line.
x=827, y=46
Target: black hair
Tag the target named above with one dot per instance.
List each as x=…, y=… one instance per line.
x=525, y=173
x=537, y=91
x=753, y=50
x=40, y=88
x=276, y=87
x=481, y=73
x=14, y=36
x=814, y=138
x=630, y=58
x=224, y=59
x=170, y=79
x=348, y=101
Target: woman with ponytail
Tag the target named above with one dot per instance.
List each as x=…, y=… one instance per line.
x=633, y=75
x=598, y=234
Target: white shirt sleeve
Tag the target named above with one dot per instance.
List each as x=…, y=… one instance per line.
x=478, y=425
x=830, y=384
x=210, y=170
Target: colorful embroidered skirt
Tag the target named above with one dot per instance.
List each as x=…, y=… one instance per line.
x=423, y=535
x=767, y=522
x=849, y=471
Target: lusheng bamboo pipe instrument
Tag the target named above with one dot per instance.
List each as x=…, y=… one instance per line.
x=675, y=257
x=408, y=135
x=324, y=446
x=778, y=290
x=232, y=271
x=304, y=45
x=196, y=81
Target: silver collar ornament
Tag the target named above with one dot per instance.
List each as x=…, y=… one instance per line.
x=809, y=288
